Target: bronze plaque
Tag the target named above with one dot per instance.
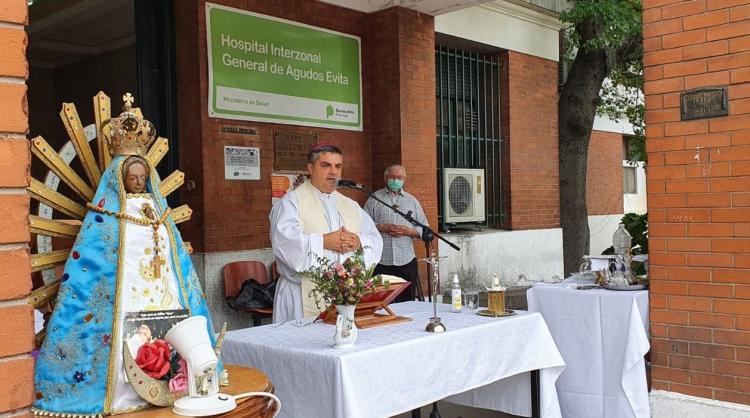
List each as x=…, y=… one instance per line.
x=290, y=150
x=703, y=103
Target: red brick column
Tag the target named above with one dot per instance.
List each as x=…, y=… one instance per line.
x=17, y=330
x=699, y=198
x=529, y=89
x=400, y=104
x=381, y=88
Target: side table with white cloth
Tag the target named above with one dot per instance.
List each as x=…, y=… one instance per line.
x=483, y=362
x=603, y=336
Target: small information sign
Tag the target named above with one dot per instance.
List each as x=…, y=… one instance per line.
x=241, y=163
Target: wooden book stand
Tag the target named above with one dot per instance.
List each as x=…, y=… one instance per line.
x=365, y=315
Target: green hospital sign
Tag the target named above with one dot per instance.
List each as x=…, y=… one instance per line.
x=266, y=69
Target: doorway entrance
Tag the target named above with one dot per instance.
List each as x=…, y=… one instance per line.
x=79, y=47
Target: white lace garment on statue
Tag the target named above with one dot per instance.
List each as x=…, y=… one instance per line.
x=141, y=289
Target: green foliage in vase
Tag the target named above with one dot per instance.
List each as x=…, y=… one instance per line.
x=343, y=283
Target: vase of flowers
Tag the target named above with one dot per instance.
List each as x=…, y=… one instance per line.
x=343, y=284
x=346, y=328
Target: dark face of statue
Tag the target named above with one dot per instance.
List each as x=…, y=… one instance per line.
x=325, y=171
x=135, y=178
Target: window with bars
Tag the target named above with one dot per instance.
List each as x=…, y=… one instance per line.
x=629, y=180
x=468, y=122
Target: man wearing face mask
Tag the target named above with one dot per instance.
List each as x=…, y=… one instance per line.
x=398, y=257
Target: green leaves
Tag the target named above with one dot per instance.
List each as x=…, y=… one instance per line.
x=615, y=27
x=603, y=24
x=345, y=283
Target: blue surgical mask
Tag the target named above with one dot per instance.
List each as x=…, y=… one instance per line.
x=395, y=184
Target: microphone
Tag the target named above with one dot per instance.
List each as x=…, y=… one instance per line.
x=348, y=184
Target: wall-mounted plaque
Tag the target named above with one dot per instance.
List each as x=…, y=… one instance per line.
x=241, y=163
x=242, y=130
x=703, y=103
x=290, y=150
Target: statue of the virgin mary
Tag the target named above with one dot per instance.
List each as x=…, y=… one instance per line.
x=127, y=258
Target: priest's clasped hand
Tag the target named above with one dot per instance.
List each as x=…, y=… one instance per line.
x=341, y=241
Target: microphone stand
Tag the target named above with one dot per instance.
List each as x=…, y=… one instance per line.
x=428, y=235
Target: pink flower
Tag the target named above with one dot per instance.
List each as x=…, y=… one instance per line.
x=183, y=366
x=179, y=382
x=368, y=284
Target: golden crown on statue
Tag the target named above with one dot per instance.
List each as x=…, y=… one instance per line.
x=129, y=133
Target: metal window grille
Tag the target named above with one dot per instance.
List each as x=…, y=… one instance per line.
x=468, y=122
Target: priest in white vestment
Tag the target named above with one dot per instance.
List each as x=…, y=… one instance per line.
x=312, y=221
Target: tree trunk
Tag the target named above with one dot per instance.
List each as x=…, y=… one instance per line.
x=576, y=110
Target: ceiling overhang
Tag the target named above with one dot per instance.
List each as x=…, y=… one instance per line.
x=63, y=32
x=430, y=7
x=439, y=7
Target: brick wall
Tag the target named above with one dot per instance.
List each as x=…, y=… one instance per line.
x=400, y=104
x=699, y=199
x=381, y=90
x=530, y=160
x=17, y=332
x=604, y=174
x=398, y=73
x=400, y=100
x=418, y=119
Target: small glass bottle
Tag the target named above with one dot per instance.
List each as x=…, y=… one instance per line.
x=456, y=294
x=621, y=240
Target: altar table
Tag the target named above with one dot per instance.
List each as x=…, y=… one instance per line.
x=602, y=335
x=482, y=361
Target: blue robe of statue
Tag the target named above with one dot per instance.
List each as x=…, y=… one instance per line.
x=75, y=372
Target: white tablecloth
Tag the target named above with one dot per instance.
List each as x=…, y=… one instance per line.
x=602, y=335
x=396, y=368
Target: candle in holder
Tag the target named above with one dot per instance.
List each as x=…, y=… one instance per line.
x=496, y=296
x=495, y=281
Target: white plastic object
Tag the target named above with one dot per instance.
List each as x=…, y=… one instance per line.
x=455, y=294
x=202, y=406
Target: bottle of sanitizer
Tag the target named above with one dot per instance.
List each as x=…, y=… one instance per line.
x=456, y=294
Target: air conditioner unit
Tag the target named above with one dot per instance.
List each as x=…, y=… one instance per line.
x=463, y=195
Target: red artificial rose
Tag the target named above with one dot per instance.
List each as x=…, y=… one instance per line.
x=153, y=358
